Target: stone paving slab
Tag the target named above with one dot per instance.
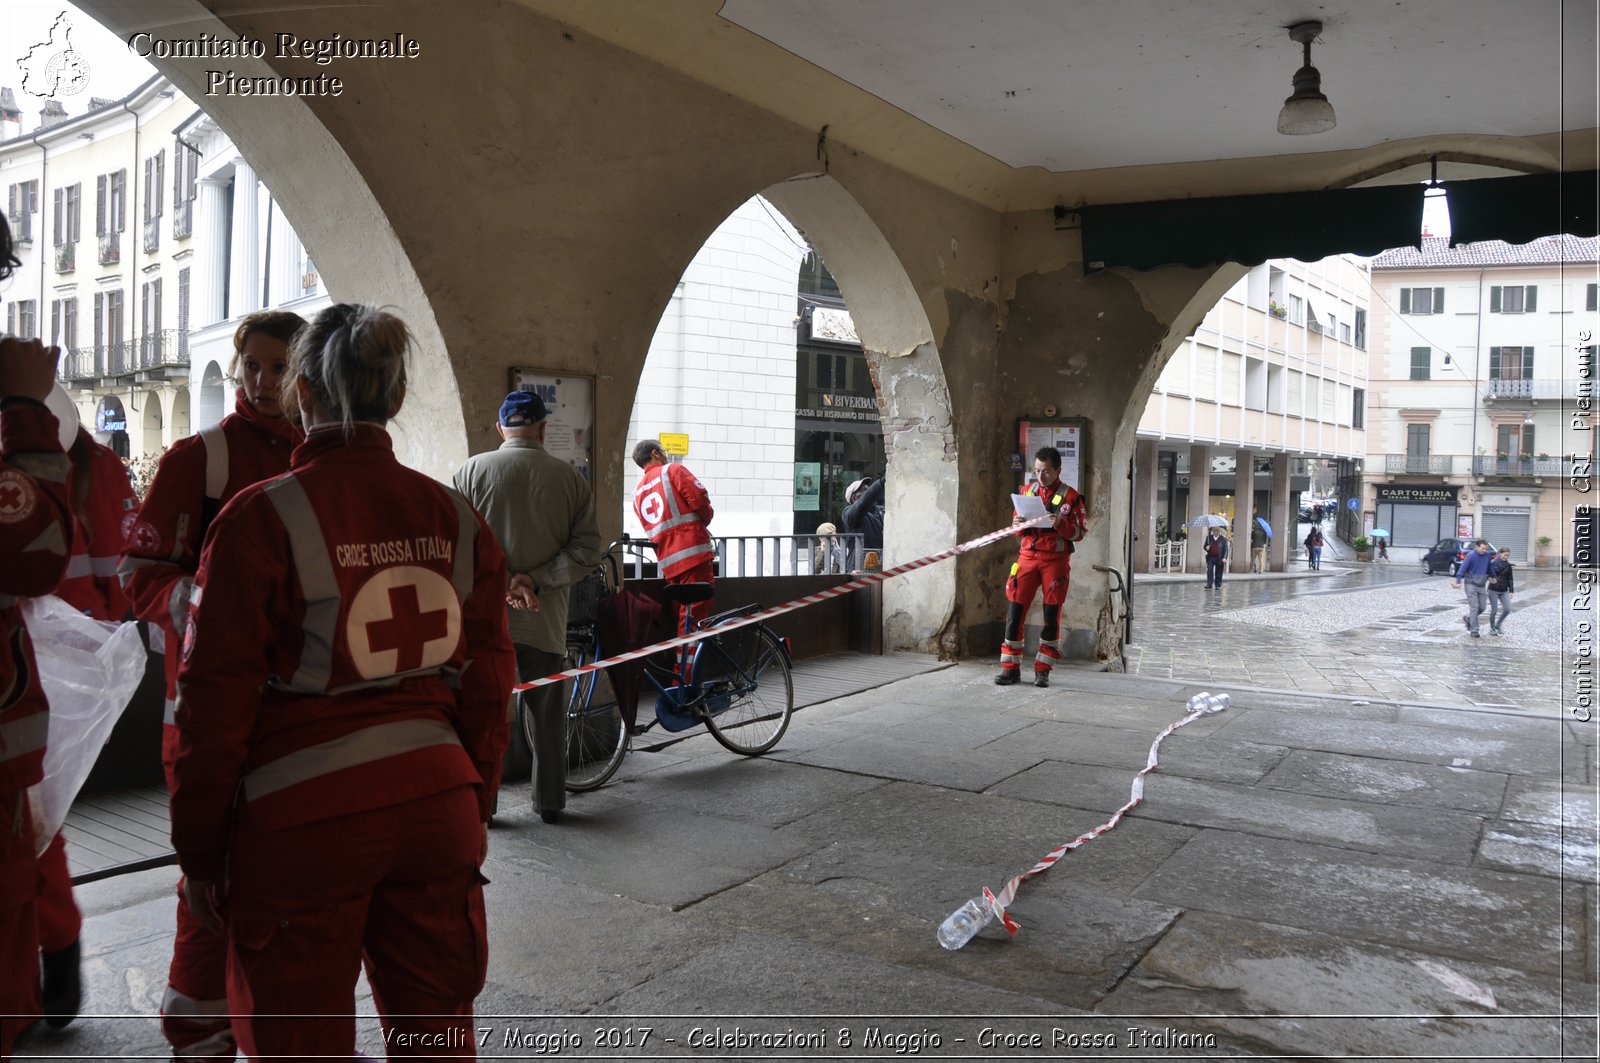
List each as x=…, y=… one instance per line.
x=897, y=756
x=1312, y=994
x=1542, y=801
x=1472, y=914
x=1182, y=752
x=1512, y=754
x=1436, y=835
x=1337, y=775
x=1548, y=849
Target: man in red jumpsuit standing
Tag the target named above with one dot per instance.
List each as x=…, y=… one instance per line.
x=676, y=511
x=103, y=505
x=1044, y=559
x=35, y=534
x=196, y=476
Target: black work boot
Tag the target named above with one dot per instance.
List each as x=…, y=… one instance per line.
x=1008, y=677
x=1041, y=679
x=62, y=990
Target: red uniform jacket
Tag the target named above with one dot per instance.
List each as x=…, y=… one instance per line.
x=91, y=583
x=195, y=478
x=347, y=649
x=35, y=529
x=1052, y=542
x=675, y=509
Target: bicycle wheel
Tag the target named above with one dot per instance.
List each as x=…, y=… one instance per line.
x=749, y=694
x=596, y=738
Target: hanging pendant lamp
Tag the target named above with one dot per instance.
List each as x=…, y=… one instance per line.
x=1307, y=110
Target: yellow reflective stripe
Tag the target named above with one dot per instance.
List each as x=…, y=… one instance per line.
x=359, y=747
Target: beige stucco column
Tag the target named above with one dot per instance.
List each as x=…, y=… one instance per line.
x=211, y=225
x=1146, y=478
x=1199, y=502
x=1283, y=516
x=244, y=276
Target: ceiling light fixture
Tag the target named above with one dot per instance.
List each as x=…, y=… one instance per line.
x=1308, y=110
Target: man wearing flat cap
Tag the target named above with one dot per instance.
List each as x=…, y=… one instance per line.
x=542, y=511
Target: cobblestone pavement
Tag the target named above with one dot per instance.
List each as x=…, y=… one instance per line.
x=1380, y=631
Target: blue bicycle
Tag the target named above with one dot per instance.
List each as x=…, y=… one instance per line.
x=738, y=683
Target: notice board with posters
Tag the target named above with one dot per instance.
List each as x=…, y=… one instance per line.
x=1066, y=434
x=570, y=400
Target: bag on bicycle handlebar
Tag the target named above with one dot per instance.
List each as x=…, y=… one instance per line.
x=624, y=620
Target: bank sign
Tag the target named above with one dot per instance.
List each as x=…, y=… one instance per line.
x=1438, y=496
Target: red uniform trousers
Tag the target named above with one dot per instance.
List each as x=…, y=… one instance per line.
x=19, y=922
x=701, y=573
x=1032, y=571
x=396, y=886
x=59, y=918
x=194, y=1010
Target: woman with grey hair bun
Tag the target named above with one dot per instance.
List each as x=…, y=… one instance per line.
x=342, y=710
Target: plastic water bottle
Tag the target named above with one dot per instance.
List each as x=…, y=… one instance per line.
x=964, y=923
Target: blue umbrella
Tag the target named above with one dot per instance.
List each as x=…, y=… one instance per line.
x=1265, y=526
x=1380, y=533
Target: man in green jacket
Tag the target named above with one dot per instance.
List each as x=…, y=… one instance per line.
x=542, y=511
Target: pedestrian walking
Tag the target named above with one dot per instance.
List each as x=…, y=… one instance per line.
x=1502, y=585
x=1314, y=544
x=541, y=509
x=1215, y=549
x=1473, y=574
x=342, y=719
x=1383, y=548
x=1258, y=547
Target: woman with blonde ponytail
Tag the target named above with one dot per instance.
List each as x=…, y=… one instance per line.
x=342, y=711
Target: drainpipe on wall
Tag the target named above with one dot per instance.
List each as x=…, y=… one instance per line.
x=1477, y=353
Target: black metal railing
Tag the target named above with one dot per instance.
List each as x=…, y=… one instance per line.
x=1418, y=464
x=182, y=219
x=66, y=258
x=110, y=249
x=1520, y=466
x=155, y=350
x=1495, y=388
x=152, y=235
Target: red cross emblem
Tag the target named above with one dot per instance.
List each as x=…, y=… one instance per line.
x=401, y=620
x=18, y=497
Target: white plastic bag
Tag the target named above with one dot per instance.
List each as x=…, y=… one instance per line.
x=89, y=670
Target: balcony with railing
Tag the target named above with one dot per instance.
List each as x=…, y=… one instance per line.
x=1419, y=464
x=182, y=219
x=152, y=235
x=151, y=353
x=1528, y=390
x=110, y=249
x=66, y=257
x=1522, y=465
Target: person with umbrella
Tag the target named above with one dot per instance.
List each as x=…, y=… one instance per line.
x=1215, y=549
x=1380, y=540
x=1260, y=532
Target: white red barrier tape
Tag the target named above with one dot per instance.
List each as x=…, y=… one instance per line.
x=1203, y=704
x=866, y=579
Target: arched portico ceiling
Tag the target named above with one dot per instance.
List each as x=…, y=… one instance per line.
x=326, y=198
x=1024, y=104
x=919, y=433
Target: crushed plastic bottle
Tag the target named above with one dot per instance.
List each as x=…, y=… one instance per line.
x=963, y=924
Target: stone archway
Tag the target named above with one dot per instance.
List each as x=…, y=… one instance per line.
x=213, y=398
x=180, y=414
x=914, y=402
x=324, y=194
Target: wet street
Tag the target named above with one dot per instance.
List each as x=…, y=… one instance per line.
x=1368, y=630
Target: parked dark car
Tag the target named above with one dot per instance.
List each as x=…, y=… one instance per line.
x=1305, y=515
x=1448, y=553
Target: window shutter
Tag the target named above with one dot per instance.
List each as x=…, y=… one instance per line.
x=1438, y=300
x=61, y=195
x=75, y=216
x=177, y=172
x=11, y=318
x=1527, y=363
x=1405, y=300
x=1494, y=363
x=1527, y=441
x=100, y=205
x=158, y=190
x=99, y=319
x=1593, y=302
x=12, y=208
x=55, y=321
x=1494, y=299
x=158, y=304
x=1530, y=302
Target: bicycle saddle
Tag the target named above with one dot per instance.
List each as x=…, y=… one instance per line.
x=687, y=593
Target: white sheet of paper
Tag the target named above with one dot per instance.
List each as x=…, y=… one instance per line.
x=1028, y=506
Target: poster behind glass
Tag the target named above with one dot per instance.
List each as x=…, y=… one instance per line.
x=570, y=400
